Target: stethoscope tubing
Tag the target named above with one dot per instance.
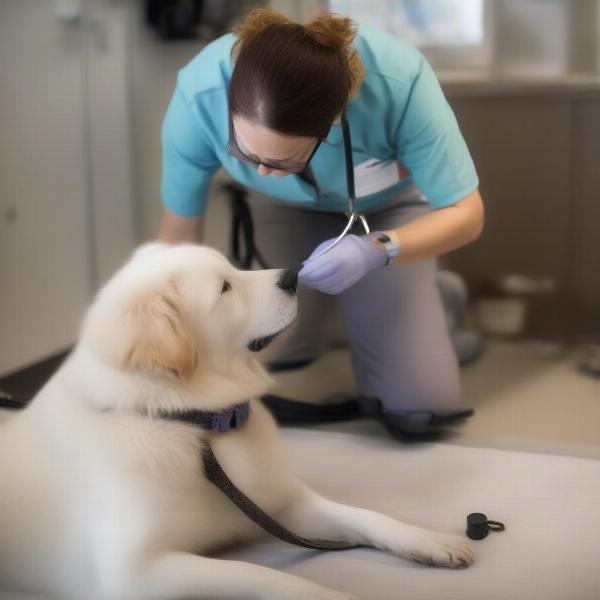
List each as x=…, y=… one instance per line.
x=352, y=214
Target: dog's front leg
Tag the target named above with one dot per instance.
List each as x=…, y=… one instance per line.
x=312, y=515
x=183, y=576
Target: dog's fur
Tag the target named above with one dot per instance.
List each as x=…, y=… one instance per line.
x=101, y=500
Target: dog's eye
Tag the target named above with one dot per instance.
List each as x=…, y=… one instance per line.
x=225, y=287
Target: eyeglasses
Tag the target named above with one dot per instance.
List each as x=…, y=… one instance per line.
x=352, y=214
x=234, y=149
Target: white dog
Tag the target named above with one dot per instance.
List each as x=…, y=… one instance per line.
x=103, y=499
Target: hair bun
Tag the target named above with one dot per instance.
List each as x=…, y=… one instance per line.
x=326, y=30
x=257, y=20
x=331, y=31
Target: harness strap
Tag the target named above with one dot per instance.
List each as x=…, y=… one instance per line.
x=216, y=475
x=220, y=421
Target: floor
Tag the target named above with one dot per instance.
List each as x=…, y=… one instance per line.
x=25, y=383
x=528, y=398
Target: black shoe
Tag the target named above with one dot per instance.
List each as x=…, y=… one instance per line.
x=338, y=408
x=419, y=425
x=407, y=436
x=407, y=425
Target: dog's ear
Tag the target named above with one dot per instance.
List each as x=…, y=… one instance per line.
x=159, y=340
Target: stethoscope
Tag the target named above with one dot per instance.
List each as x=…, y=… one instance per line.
x=352, y=214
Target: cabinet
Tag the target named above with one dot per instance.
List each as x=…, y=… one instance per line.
x=536, y=152
x=584, y=227
x=66, y=206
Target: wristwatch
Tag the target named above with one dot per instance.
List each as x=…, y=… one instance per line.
x=391, y=249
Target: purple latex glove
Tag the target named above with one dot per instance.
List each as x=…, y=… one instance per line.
x=341, y=267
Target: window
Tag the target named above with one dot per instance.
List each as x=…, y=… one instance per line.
x=453, y=34
x=424, y=23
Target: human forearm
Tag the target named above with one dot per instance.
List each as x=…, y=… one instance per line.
x=175, y=229
x=440, y=231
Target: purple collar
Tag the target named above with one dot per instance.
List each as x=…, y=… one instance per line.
x=219, y=421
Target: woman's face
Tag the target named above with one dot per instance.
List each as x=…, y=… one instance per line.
x=262, y=144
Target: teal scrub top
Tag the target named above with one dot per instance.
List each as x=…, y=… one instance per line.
x=400, y=117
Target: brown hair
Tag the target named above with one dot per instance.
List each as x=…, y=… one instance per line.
x=292, y=78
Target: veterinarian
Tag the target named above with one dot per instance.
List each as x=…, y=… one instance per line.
x=266, y=103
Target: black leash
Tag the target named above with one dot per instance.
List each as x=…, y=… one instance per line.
x=216, y=475
x=242, y=245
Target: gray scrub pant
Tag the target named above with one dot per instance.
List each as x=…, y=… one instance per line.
x=401, y=349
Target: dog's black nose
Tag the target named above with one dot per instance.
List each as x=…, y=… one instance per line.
x=288, y=281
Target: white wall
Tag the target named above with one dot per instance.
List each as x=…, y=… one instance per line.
x=107, y=129
x=532, y=37
x=153, y=70
x=585, y=45
x=45, y=255
x=65, y=176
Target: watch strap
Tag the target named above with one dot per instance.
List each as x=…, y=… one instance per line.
x=391, y=249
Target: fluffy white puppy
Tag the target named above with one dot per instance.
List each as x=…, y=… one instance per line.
x=102, y=499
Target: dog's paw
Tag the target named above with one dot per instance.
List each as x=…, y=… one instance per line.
x=440, y=550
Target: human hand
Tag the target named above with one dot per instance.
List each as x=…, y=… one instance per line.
x=341, y=267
